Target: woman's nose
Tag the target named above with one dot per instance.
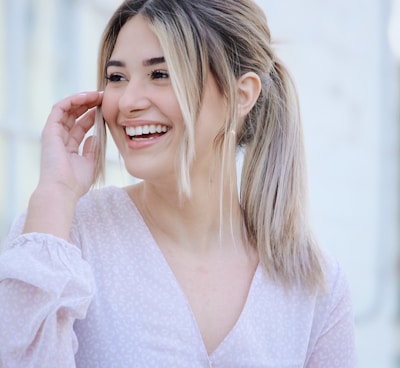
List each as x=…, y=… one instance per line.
x=134, y=98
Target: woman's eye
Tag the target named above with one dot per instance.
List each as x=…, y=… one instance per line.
x=159, y=74
x=115, y=78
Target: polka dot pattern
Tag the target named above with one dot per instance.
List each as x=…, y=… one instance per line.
x=107, y=298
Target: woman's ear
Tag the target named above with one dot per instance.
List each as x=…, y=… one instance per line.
x=249, y=88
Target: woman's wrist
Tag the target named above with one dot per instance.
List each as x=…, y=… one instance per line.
x=51, y=210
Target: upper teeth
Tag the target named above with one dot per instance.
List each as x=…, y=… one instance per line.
x=145, y=129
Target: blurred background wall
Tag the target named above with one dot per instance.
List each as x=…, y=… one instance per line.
x=345, y=58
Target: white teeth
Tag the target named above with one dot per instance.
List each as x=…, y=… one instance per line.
x=145, y=129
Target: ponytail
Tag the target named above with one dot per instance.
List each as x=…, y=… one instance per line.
x=273, y=184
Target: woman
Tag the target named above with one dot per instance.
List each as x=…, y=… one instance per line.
x=175, y=271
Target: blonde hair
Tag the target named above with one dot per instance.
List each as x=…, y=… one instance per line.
x=230, y=38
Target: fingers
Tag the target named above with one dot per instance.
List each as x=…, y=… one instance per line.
x=79, y=130
x=64, y=114
x=89, y=148
x=69, y=109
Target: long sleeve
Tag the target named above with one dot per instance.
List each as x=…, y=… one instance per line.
x=45, y=285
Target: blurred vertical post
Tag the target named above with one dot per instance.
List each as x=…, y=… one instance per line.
x=394, y=41
x=15, y=29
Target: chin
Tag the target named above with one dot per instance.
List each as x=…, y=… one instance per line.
x=144, y=171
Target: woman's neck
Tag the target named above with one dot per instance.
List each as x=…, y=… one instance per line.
x=197, y=224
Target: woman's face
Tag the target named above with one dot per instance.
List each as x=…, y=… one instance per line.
x=142, y=111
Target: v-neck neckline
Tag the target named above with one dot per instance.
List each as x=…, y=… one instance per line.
x=184, y=300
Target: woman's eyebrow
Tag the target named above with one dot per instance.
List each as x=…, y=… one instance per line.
x=154, y=61
x=115, y=63
x=147, y=62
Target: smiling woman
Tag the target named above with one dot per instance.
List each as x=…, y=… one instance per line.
x=177, y=270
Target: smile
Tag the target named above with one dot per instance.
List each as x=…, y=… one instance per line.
x=146, y=131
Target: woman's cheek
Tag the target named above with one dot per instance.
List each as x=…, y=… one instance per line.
x=109, y=107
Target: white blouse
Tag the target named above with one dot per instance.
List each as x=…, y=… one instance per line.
x=108, y=299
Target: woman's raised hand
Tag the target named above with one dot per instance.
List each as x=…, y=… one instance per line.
x=65, y=172
x=63, y=166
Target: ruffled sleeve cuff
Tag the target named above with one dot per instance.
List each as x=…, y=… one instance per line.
x=44, y=286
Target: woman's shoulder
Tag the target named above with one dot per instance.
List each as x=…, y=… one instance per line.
x=335, y=296
x=335, y=276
